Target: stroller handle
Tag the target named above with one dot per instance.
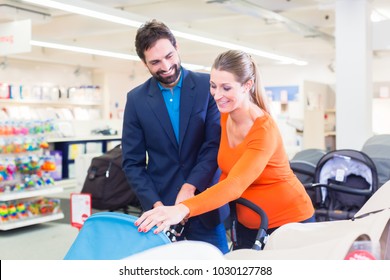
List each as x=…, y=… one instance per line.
x=261, y=237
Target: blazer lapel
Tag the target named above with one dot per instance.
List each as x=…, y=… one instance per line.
x=157, y=104
x=187, y=96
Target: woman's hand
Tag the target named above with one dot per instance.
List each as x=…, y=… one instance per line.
x=162, y=217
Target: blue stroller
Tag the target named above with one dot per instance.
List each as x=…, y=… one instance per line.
x=113, y=236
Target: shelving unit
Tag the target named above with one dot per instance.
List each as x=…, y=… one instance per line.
x=25, y=179
x=62, y=109
x=319, y=117
x=54, y=103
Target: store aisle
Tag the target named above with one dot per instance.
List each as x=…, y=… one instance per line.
x=48, y=241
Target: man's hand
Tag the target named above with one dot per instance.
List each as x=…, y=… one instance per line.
x=157, y=204
x=187, y=191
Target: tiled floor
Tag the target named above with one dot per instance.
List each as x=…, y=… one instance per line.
x=46, y=241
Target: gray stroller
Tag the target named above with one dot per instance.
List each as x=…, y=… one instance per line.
x=378, y=149
x=344, y=180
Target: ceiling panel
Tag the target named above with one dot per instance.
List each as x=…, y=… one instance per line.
x=300, y=29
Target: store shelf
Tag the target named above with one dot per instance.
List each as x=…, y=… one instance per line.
x=31, y=221
x=30, y=193
x=54, y=103
x=85, y=138
x=319, y=117
x=330, y=133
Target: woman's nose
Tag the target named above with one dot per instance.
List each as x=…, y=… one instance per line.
x=216, y=94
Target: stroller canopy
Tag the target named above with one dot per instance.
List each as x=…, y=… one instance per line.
x=112, y=236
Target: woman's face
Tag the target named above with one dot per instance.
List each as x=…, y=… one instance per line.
x=227, y=92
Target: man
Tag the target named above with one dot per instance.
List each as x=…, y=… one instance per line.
x=171, y=134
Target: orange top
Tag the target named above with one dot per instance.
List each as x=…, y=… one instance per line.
x=257, y=169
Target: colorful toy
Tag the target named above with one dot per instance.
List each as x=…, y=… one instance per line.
x=12, y=213
x=21, y=210
x=44, y=145
x=33, y=208
x=3, y=212
x=48, y=164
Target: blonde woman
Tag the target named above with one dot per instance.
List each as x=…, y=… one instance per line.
x=251, y=156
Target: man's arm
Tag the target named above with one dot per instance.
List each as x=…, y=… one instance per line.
x=134, y=157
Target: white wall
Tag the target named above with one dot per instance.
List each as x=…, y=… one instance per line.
x=31, y=73
x=118, y=83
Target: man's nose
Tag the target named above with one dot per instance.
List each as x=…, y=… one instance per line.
x=165, y=65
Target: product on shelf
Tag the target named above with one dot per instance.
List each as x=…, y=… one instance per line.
x=25, y=167
x=17, y=210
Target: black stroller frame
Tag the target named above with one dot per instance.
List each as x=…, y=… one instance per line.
x=262, y=236
x=175, y=231
x=304, y=164
x=344, y=180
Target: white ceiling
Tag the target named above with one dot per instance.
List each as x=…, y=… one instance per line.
x=301, y=29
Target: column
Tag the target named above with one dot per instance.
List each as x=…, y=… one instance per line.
x=353, y=73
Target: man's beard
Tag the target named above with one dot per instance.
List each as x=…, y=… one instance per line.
x=170, y=79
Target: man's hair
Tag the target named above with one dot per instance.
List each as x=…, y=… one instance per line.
x=148, y=34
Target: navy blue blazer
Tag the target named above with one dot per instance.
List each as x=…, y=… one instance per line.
x=147, y=129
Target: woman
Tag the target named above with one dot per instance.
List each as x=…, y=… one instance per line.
x=251, y=157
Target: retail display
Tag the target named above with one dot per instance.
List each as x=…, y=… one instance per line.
x=319, y=124
x=25, y=175
x=50, y=102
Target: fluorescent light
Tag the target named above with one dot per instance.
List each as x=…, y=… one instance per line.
x=124, y=56
x=121, y=17
x=83, y=50
x=213, y=42
x=378, y=15
x=78, y=8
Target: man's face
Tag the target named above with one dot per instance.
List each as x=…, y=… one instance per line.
x=163, y=62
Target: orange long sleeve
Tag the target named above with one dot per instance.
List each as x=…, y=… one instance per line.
x=257, y=169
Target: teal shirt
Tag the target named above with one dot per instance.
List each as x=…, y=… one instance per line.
x=172, y=102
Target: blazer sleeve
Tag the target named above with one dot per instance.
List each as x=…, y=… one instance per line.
x=134, y=156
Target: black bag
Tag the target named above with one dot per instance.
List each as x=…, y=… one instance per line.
x=107, y=184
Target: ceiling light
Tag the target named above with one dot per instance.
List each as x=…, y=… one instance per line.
x=124, y=56
x=121, y=17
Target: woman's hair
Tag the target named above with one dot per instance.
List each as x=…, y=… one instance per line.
x=243, y=68
x=149, y=33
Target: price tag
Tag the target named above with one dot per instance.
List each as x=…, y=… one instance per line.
x=80, y=208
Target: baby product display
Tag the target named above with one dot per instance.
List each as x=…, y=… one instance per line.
x=25, y=166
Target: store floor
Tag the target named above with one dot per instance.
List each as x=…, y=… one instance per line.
x=46, y=241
